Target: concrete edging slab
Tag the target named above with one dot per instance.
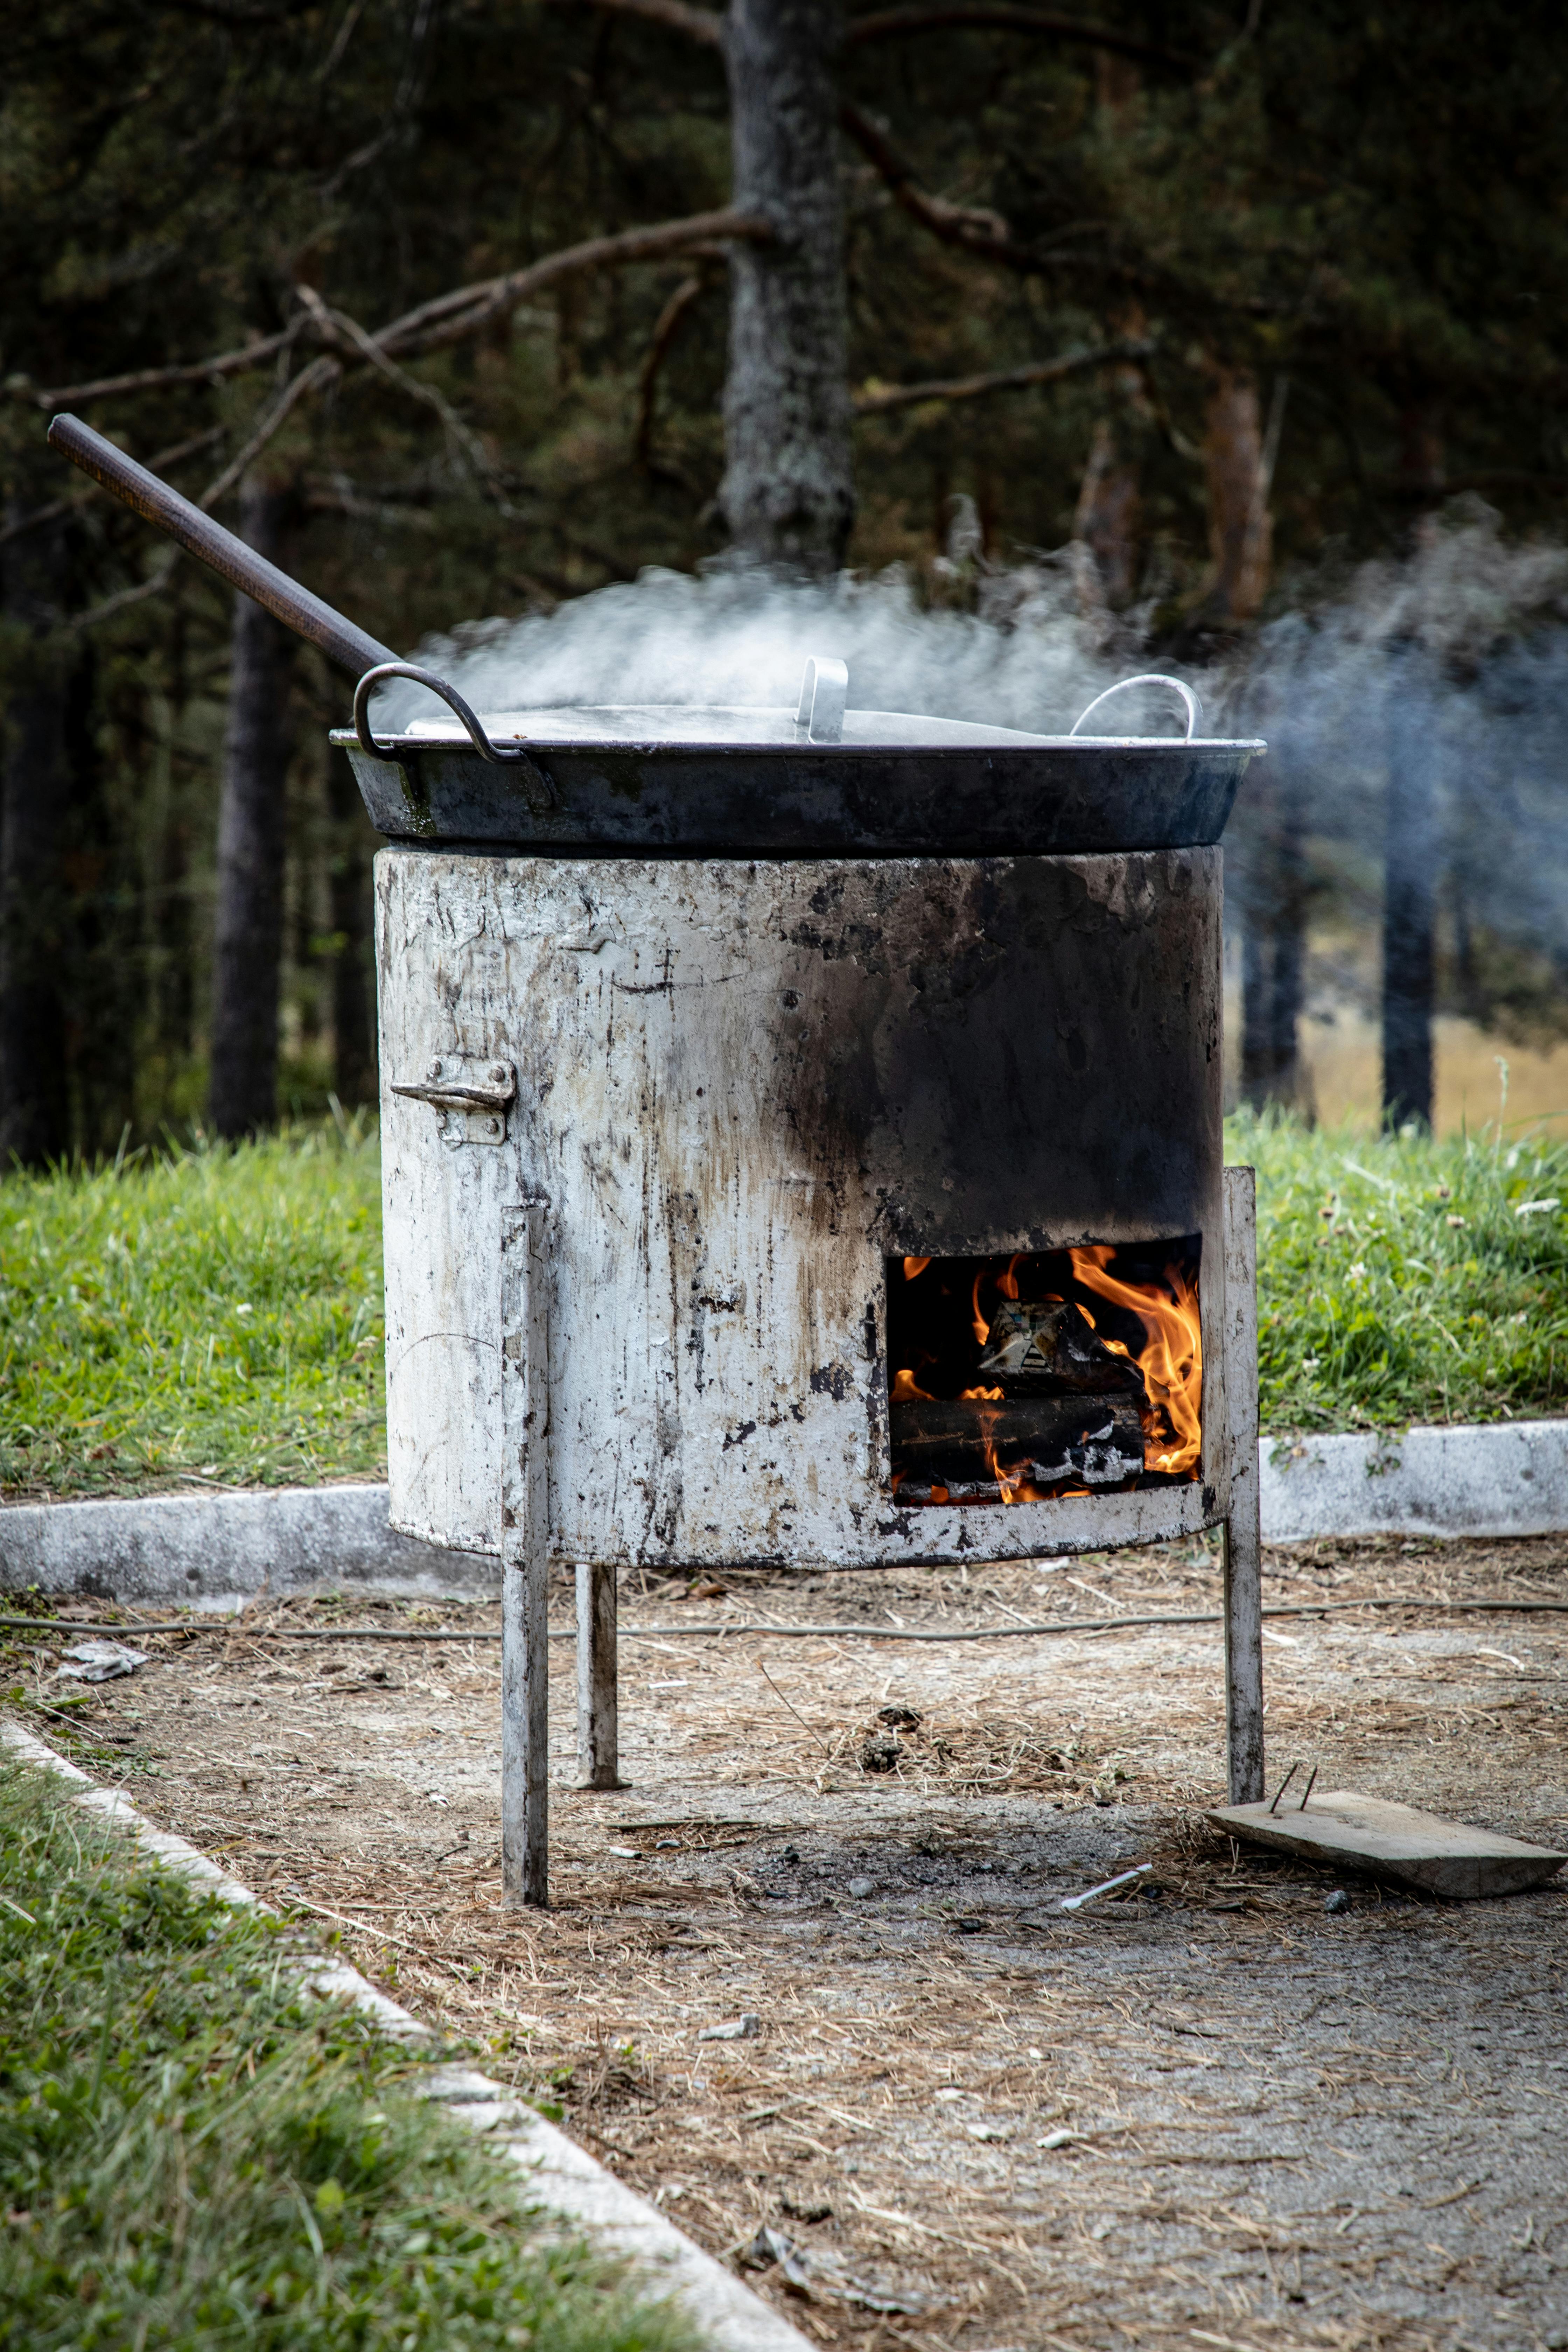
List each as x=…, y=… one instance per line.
x=561, y=2175
x=1495, y=1478
x=210, y=1551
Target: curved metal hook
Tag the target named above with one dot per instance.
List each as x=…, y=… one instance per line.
x=449, y=694
x=1149, y=678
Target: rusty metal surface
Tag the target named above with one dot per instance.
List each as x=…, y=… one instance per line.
x=805, y=798
x=742, y=1087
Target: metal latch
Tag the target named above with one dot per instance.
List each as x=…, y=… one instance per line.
x=472, y=1096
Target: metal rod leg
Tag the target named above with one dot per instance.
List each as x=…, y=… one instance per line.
x=525, y=1561
x=1243, y=1533
x=598, y=1726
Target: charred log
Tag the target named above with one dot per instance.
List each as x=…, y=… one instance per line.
x=1038, y=1349
x=1044, y=1441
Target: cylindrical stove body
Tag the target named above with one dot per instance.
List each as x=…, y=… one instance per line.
x=747, y=1090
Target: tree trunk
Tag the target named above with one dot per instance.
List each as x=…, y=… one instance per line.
x=1409, y=899
x=35, y=799
x=252, y=831
x=1240, y=462
x=788, y=491
x=353, y=1040
x=1109, y=515
x=1274, y=939
x=1109, y=520
x=1422, y=455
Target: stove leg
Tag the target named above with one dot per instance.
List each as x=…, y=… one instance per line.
x=525, y=1561
x=1242, y=1531
x=598, y=1726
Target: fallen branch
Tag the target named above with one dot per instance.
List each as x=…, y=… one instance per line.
x=208, y=371
x=447, y=317
x=983, y=233
x=338, y=326
x=450, y=317
x=667, y=326
x=704, y=25
x=315, y=378
x=707, y=25
x=157, y=579
x=880, y=399
x=893, y=23
x=972, y=229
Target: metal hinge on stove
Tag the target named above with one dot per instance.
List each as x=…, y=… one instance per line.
x=472, y=1096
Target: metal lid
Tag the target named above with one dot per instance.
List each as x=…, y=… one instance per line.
x=744, y=726
x=684, y=780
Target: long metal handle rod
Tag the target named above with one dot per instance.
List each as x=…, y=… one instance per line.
x=219, y=550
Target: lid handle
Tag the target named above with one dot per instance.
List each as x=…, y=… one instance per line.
x=449, y=694
x=824, y=691
x=1149, y=678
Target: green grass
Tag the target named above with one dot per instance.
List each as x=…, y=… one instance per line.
x=194, y=2155
x=206, y=1311
x=1398, y=1281
x=216, y=1313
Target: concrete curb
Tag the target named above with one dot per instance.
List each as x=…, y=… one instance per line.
x=561, y=2175
x=211, y=1551
x=1497, y=1478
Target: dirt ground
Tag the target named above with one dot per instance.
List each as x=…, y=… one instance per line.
x=1214, y=2113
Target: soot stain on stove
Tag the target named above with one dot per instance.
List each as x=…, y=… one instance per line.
x=1007, y=1048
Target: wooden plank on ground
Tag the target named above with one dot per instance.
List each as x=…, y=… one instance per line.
x=1394, y=1841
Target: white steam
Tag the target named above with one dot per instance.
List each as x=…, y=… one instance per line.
x=1029, y=657
x=1456, y=655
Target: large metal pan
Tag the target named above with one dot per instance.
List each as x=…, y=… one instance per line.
x=822, y=780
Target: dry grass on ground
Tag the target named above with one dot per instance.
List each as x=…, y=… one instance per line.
x=1210, y=2114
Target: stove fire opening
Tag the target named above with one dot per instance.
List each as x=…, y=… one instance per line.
x=1028, y=1376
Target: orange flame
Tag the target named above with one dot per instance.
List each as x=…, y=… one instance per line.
x=1011, y=1483
x=1172, y=1360
x=913, y=1265
x=905, y=1391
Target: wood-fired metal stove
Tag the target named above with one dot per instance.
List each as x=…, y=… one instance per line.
x=801, y=1145
x=821, y=1206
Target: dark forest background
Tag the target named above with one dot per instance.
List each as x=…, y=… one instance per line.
x=1209, y=308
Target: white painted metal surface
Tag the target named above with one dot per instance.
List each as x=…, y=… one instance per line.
x=524, y=1554
x=1243, y=1532
x=719, y=1211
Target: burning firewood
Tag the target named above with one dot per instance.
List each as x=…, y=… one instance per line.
x=978, y=1444
x=1046, y=1348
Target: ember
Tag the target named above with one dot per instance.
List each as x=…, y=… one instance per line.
x=1010, y=1386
